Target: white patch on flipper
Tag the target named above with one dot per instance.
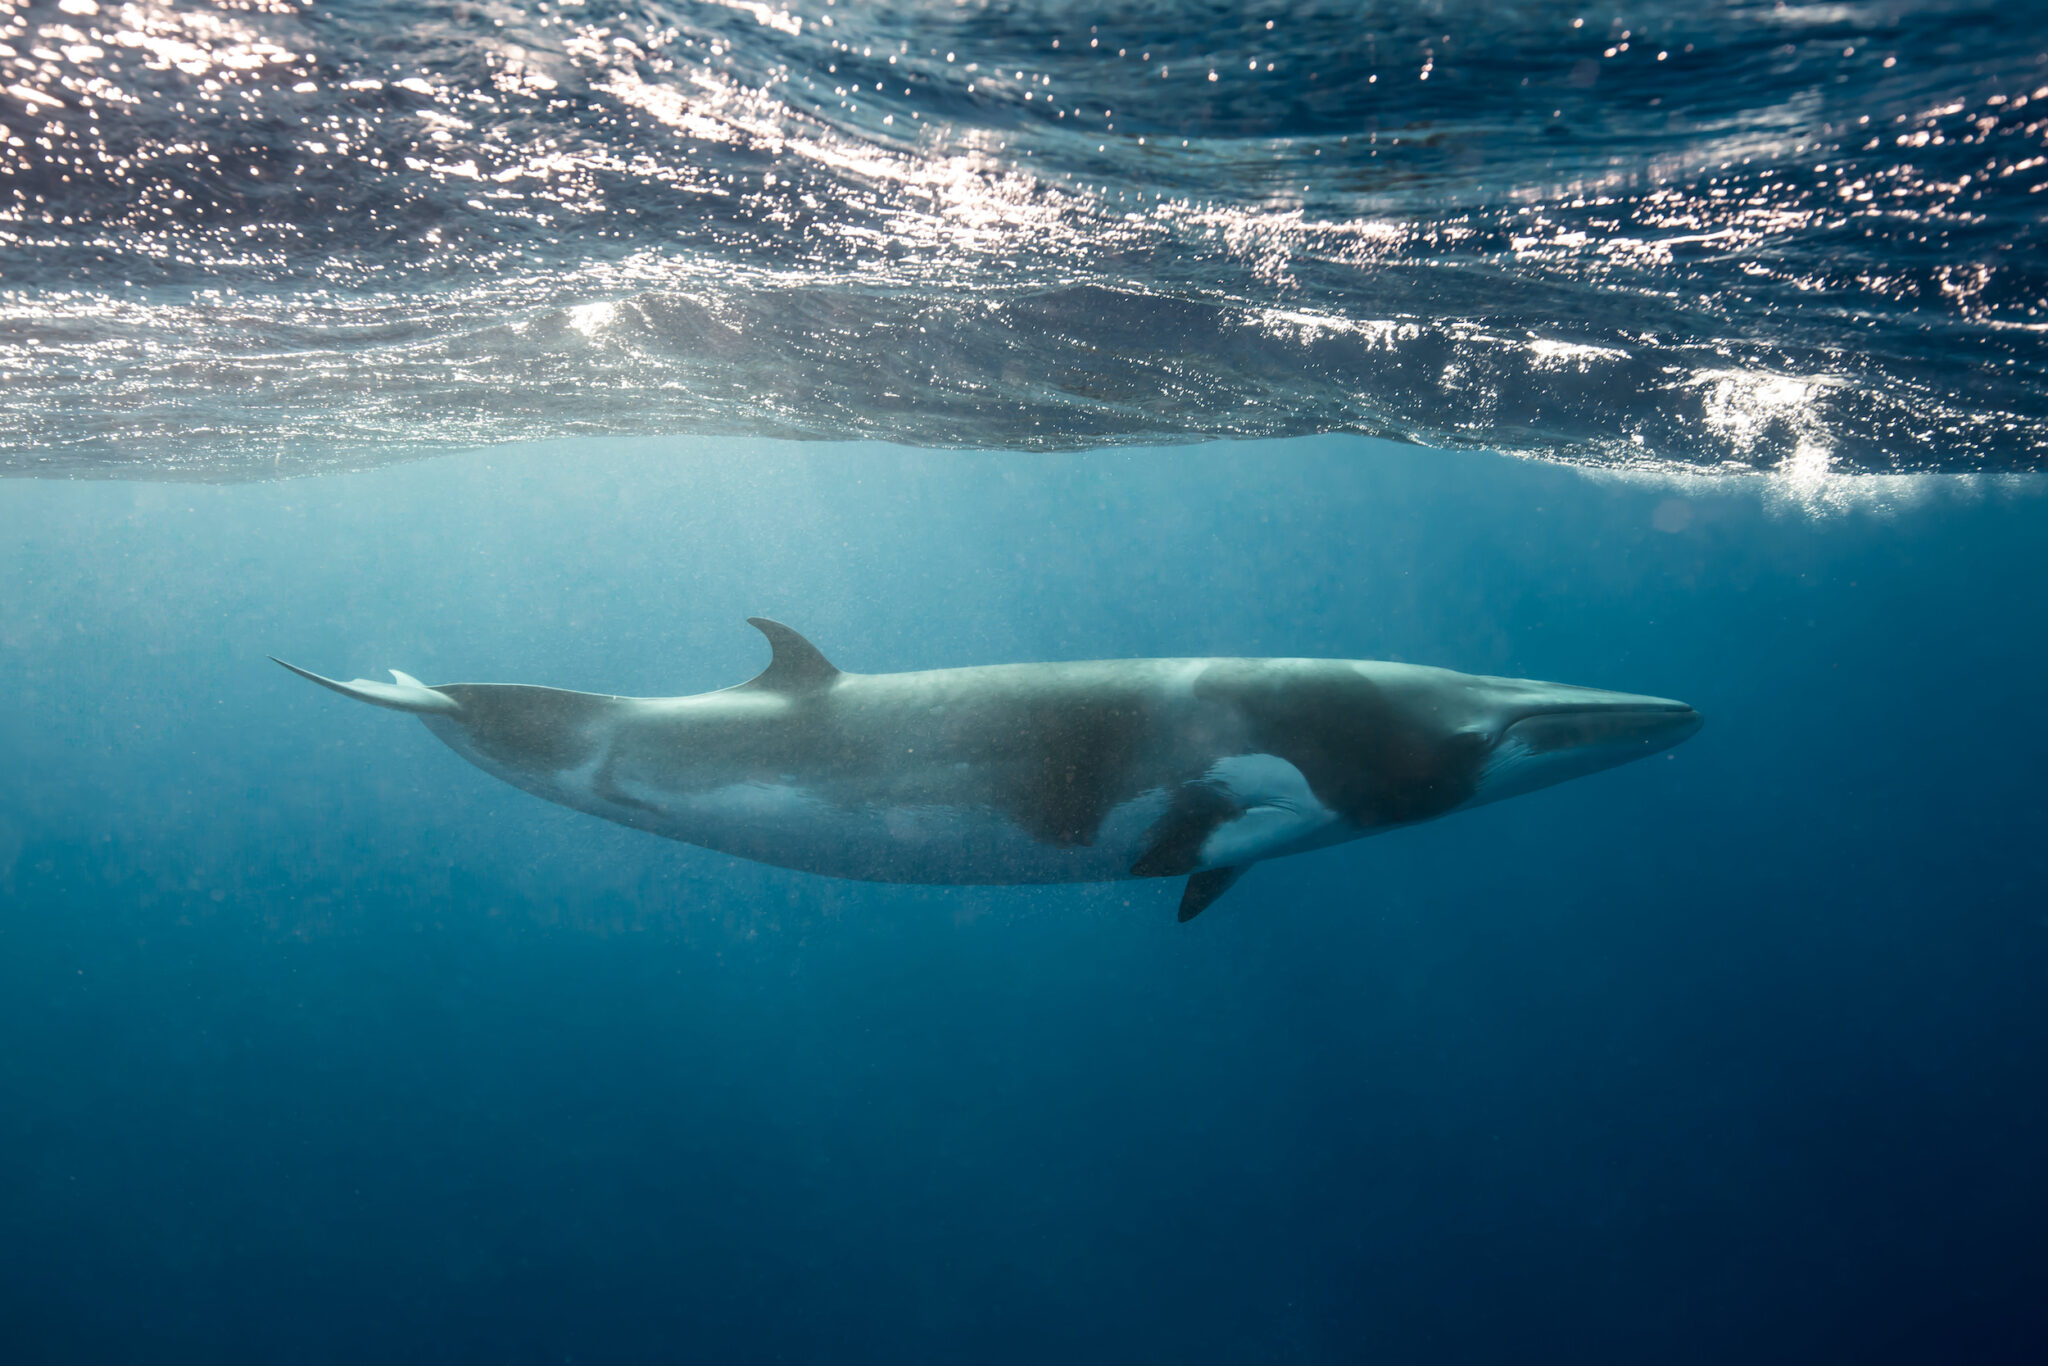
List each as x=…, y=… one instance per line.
x=1281, y=812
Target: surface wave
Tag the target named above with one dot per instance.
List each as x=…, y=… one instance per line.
x=250, y=237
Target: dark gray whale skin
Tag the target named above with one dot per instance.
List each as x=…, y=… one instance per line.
x=1014, y=773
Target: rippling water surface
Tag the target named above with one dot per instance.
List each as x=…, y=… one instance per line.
x=250, y=236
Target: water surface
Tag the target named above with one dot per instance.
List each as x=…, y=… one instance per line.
x=236, y=238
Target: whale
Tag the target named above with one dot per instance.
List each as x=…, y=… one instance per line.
x=1088, y=771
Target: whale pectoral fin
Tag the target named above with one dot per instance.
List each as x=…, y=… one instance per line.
x=1174, y=843
x=1203, y=888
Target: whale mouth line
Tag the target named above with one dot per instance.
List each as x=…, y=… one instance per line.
x=1550, y=744
x=1575, y=725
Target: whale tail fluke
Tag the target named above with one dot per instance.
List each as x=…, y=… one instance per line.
x=407, y=694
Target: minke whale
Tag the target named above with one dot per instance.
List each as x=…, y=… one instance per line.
x=1032, y=773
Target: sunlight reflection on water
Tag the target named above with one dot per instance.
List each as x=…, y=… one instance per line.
x=242, y=233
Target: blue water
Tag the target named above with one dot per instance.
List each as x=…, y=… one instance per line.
x=319, y=1045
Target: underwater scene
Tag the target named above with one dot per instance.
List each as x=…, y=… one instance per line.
x=993, y=682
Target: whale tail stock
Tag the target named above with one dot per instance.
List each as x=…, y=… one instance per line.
x=407, y=694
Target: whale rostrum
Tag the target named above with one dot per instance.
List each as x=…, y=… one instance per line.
x=1023, y=773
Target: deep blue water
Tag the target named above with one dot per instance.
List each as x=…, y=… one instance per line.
x=318, y=1045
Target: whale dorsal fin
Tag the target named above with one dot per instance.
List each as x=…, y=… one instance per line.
x=796, y=665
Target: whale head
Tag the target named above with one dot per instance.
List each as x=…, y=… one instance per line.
x=1536, y=734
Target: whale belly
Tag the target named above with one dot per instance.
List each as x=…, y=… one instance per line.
x=792, y=826
x=952, y=823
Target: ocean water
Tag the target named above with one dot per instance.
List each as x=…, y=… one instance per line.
x=323, y=1046
x=1691, y=350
